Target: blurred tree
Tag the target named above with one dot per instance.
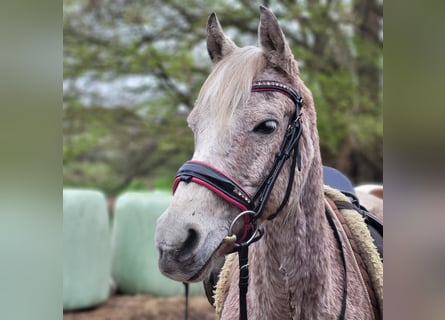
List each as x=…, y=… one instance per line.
x=132, y=70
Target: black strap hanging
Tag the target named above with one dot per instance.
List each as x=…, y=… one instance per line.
x=243, y=258
x=186, y=293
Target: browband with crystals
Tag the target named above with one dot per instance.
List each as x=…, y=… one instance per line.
x=269, y=85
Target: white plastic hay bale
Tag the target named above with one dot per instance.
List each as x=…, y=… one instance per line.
x=135, y=258
x=87, y=249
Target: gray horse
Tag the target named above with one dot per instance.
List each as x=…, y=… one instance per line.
x=296, y=269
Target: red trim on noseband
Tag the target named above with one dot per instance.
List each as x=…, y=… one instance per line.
x=175, y=184
x=213, y=189
x=222, y=173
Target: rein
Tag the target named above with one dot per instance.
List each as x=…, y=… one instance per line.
x=252, y=206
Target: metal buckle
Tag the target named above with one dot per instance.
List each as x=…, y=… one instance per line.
x=253, y=227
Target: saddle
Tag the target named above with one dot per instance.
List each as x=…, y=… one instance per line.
x=361, y=235
x=363, y=230
x=337, y=180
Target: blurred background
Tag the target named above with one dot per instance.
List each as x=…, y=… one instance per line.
x=131, y=73
x=32, y=123
x=132, y=70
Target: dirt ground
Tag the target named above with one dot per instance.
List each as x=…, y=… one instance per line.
x=146, y=307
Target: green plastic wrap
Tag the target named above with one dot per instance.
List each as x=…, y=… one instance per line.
x=134, y=261
x=87, y=249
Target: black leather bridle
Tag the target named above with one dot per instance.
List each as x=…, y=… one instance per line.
x=227, y=188
x=252, y=206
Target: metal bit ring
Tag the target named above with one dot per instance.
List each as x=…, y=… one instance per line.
x=252, y=226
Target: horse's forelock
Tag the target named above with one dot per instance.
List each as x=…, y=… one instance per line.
x=228, y=85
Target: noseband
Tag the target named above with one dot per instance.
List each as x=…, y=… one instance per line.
x=252, y=206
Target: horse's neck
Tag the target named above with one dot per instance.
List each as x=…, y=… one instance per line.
x=292, y=266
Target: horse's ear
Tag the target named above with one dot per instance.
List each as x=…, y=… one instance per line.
x=218, y=45
x=272, y=40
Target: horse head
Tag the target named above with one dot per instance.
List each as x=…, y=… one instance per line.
x=238, y=131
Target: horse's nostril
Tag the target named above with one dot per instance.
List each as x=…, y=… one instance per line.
x=161, y=252
x=191, y=242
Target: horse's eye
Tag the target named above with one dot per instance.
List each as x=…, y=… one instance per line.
x=266, y=127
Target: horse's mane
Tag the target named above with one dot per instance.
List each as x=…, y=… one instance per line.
x=228, y=85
